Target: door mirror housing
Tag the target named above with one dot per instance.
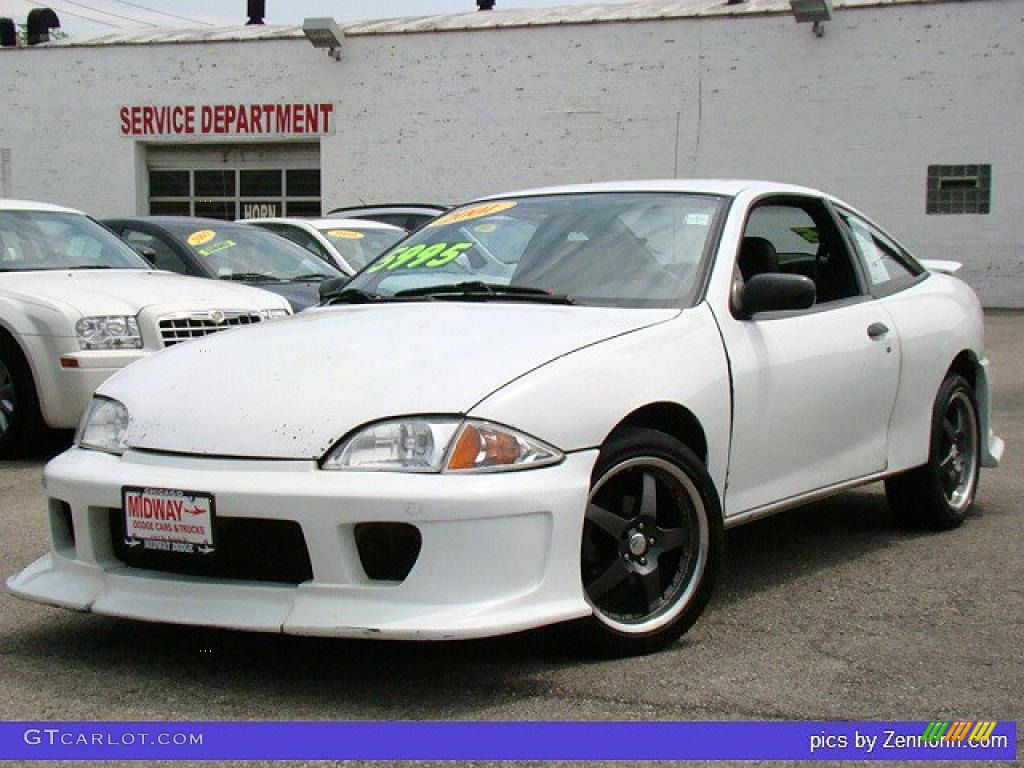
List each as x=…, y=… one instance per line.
x=776, y=291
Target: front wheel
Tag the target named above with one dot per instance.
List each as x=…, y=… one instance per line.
x=20, y=422
x=652, y=543
x=939, y=494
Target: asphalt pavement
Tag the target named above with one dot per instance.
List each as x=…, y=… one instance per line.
x=829, y=611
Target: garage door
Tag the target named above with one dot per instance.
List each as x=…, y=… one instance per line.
x=234, y=181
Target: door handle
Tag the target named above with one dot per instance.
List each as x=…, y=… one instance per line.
x=877, y=330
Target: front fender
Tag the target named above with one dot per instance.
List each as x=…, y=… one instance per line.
x=575, y=401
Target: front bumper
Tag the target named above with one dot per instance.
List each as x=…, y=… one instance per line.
x=500, y=552
x=66, y=376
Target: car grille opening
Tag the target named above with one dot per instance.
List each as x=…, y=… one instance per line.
x=387, y=551
x=176, y=329
x=247, y=549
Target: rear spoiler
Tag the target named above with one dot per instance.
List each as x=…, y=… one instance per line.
x=945, y=267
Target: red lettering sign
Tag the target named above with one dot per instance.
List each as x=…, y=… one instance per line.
x=227, y=119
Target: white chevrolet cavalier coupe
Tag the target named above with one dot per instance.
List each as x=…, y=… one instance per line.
x=77, y=304
x=541, y=407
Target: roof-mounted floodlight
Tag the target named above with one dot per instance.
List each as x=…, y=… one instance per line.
x=324, y=33
x=39, y=23
x=8, y=33
x=815, y=12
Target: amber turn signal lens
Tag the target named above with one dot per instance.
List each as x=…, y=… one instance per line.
x=467, y=448
x=479, y=447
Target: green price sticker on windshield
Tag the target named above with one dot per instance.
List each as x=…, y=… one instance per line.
x=212, y=249
x=422, y=255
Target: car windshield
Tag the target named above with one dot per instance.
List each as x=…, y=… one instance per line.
x=241, y=252
x=42, y=240
x=361, y=246
x=608, y=249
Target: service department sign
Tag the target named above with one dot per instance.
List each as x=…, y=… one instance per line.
x=227, y=120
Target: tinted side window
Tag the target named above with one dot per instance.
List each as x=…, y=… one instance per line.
x=799, y=236
x=882, y=258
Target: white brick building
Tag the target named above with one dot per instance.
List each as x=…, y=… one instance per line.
x=441, y=109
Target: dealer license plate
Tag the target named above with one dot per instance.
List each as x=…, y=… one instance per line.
x=166, y=520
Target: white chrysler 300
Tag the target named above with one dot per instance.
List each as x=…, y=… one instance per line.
x=77, y=305
x=541, y=407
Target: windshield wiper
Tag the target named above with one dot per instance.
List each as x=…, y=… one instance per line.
x=307, y=277
x=95, y=266
x=350, y=296
x=256, y=277
x=478, y=289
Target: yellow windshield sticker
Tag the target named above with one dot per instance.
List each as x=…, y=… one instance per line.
x=421, y=255
x=474, y=212
x=201, y=237
x=810, y=234
x=345, y=234
x=485, y=228
x=212, y=249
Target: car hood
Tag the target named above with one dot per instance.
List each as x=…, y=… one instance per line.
x=126, y=291
x=291, y=389
x=301, y=295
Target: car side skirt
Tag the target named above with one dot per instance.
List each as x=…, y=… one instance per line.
x=767, y=510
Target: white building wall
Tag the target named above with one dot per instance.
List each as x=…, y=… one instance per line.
x=446, y=116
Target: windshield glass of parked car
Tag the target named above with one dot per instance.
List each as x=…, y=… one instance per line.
x=608, y=249
x=41, y=240
x=235, y=251
x=359, y=247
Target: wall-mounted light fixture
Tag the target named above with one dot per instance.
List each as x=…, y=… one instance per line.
x=323, y=32
x=815, y=12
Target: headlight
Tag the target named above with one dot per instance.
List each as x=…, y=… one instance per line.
x=274, y=314
x=108, y=332
x=103, y=426
x=440, y=445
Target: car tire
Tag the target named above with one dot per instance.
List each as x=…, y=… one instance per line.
x=652, y=544
x=21, y=425
x=940, y=494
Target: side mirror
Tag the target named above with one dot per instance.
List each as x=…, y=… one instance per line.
x=332, y=285
x=775, y=291
x=147, y=253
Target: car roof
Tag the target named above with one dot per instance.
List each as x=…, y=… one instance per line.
x=327, y=223
x=30, y=205
x=393, y=208
x=729, y=187
x=185, y=221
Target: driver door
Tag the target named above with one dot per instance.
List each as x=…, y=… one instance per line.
x=813, y=389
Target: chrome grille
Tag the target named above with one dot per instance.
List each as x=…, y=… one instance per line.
x=175, y=329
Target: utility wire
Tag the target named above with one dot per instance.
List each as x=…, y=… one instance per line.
x=164, y=13
x=72, y=13
x=108, y=13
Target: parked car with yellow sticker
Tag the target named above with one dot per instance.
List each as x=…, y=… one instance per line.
x=348, y=244
x=77, y=305
x=227, y=250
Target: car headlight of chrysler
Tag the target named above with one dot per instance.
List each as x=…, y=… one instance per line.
x=439, y=444
x=108, y=332
x=103, y=426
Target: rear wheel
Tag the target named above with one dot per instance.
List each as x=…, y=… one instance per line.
x=940, y=494
x=20, y=422
x=652, y=543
